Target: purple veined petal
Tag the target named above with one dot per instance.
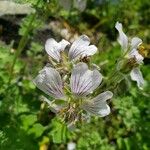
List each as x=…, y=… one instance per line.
x=53, y=48
x=49, y=81
x=80, y=4
x=136, y=75
x=135, y=42
x=80, y=48
x=98, y=105
x=122, y=39
x=135, y=54
x=79, y=43
x=84, y=81
x=80, y=67
x=102, y=97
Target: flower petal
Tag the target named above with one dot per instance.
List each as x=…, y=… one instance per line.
x=135, y=42
x=98, y=105
x=63, y=43
x=81, y=48
x=135, y=54
x=122, y=39
x=53, y=48
x=137, y=76
x=84, y=81
x=49, y=81
x=89, y=51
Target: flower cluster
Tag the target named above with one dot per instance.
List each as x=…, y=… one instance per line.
x=132, y=57
x=71, y=81
x=72, y=91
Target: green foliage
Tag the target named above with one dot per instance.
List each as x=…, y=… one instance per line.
x=27, y=123
x=58, y=131
x=35, y=25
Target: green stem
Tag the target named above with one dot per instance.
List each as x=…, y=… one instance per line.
x=63, y=133
x=113, y=80
x=22, y=44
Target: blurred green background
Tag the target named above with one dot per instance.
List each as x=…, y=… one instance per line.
x=25, y=122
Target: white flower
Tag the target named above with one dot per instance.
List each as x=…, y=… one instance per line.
x=83, y=82
x=130, y=49
x=53, y=48
x=136, y=75
x=79, y=49
x=125, y=44
x=71, y=146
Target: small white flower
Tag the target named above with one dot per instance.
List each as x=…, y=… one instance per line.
x=83, y=82
x=71, y=146
x=125, y=44
x=130, y=48
x=54, y=48
x=81, y=48
x=136, y=75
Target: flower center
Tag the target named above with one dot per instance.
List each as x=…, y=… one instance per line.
x=143, y=50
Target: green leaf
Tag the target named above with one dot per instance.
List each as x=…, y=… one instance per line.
x=82, y=143
x=37, y=130
x=28, y=120
x=58, y=132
